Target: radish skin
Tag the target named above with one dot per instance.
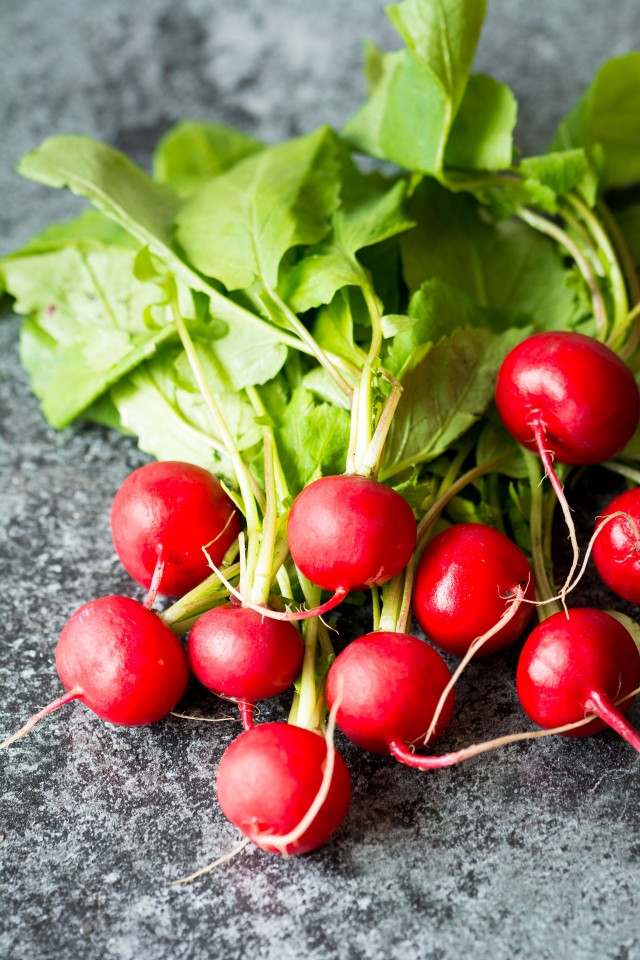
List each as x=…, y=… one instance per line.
x=240, y=655
x=616, y=549
x=166, y=512
x=268, y=779
x=466, y=579
x=390, y=684
x=578, y=390
x=576, y=665
x=121, y=661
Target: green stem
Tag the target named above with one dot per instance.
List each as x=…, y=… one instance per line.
x=622, y=247
x=242, y=474
x=609, y=258
x=626, y=351
x=305, y=336
x=449, y=488
x=543, y=225
x=392, y=597
x=261, y=583
x=362, y=413
x=536, y=522
x=210, y=593
x=375, y=607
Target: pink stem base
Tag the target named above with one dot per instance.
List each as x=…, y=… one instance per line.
x=246, y=714
x=604, y=708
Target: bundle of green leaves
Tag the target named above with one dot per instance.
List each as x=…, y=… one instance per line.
x=276, y=256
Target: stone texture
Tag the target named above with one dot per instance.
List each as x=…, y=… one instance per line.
x=532, y=851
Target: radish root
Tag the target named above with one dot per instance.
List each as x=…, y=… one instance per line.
x=282, y=841
x=72, y=694
x=211, y=866
x=514, y=605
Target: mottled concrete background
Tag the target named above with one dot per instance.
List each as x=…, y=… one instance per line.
x=532, y=852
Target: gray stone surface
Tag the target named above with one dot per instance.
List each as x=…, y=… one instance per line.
x=529, y=852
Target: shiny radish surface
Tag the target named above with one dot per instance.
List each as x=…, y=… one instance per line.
x=130, y=668
x=389, y=685
x=616, y=549
x=169, y=510
x=580, y=391
x=350, y=532
x=268, y=780
x=235, y=652
x=578, y=665
x=465, y=579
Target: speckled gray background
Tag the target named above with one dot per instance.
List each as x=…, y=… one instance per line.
x=531, y=852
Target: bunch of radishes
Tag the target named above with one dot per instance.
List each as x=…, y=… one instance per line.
x=472, y=589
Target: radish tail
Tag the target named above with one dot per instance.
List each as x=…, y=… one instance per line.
x=211, y=866
x=70, y=695
x=513, y=607
x=418, y=761
x=246, y=714
x=281, y=842
x=290, y=615
x=604, y=708
x=540, y=434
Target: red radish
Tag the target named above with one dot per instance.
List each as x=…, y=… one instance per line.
x=239, y=654
x=576, y=665
x=167, y=511
x=616, y=549
x=349, y=532
x=270, y=777
x=389, y=685
x=465, y=578
x=578, y=393
x=121, y=661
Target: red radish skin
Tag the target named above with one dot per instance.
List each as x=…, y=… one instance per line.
x=168, y=511
x=239, y=654
x=350, y=533
x=268, y=779
x=463, y=583
x=578, y=390
x=130, y=667
x=576, y=665
x=389, y=685
x=616, y=549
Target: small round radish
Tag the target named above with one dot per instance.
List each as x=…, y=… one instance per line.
x=237, y=653
x=465, y=578
x=388, y=685
x=130, y=667
x=121, y=661
x=616, y=549
x=577, y=391
x=350, y=533
x=167, y=511
x=576, y=665
x=268, y=780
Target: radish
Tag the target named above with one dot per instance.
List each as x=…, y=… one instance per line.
x=616, y=549
x=121, y=661
x=164, y=513
x=350, y=532
x=238, y=654
x=570, y=394
x=272, y=784
x=389, y=684
x=345, y=532
x=576, y=665
x=465, y=578
x=569, y=398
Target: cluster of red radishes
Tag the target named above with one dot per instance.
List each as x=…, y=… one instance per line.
x=563, y=395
